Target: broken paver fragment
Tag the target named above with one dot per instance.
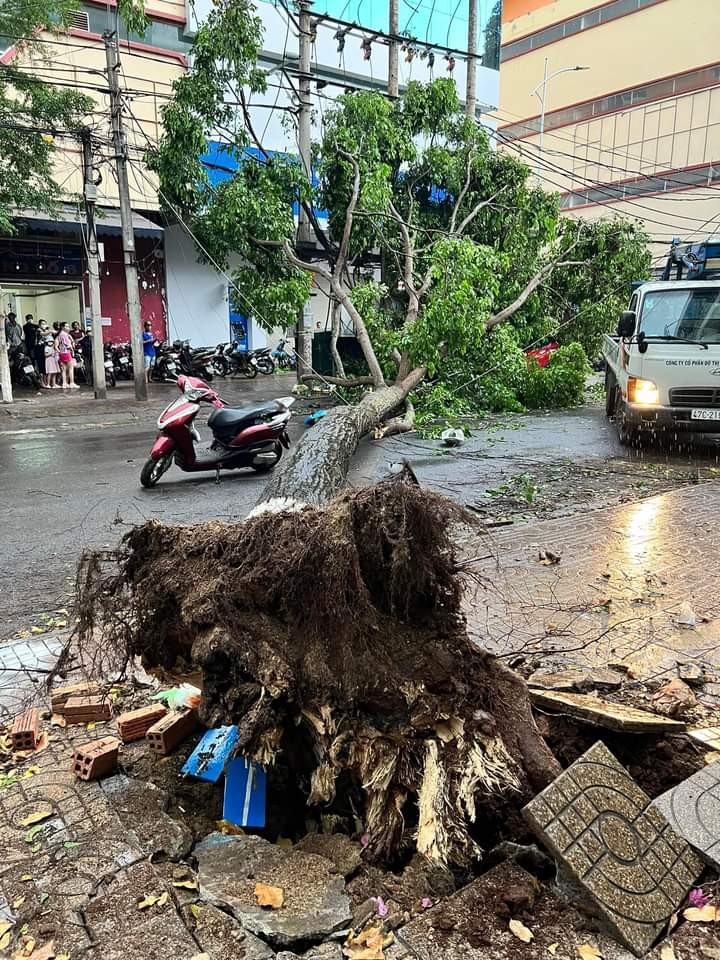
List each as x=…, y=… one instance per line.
x=709, y=737
x=95, y=759
x=134, y=724
x=345, y=853
x=693, y=810
x=631, y=867
x=25, y=730
x=603, y=713
x=142, y=809
x=315, y=904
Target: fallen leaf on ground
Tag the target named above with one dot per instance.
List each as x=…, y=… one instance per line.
x=201, y=956
x=163, y=899
x=712, y=952
x=91, y=725
x=32, y=833
x=519, y=930
x=5, y=940
x=268, y=896
x=229, y=829
x=186, y=884
x=367, y=945
x=71, y=844
x=63, y=956
x=25, y=878
x=667, y=952
x=29, y=946
x=553, y=949
x=37, y=630
x=37, y=817
x=147, y=901
x=706, y=914
x=42, y=741
x=30, y=772
x=5, y=925
x=195, y=910
x=58, y=720
x=18, y=903
x=588, y=952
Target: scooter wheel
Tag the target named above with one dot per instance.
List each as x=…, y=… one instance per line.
x=267, y=467
x=153, y=470
x=250, y=371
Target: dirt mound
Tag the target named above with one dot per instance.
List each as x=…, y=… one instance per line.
x=334, y=638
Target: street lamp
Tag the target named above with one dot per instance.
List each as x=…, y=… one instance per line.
x=540, y=92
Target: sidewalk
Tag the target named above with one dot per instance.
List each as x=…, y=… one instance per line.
x=627, y=575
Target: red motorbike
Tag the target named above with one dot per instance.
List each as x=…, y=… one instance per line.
x=246, y=437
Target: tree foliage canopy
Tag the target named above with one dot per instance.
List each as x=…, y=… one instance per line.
x=436, y=243
x=31, y=109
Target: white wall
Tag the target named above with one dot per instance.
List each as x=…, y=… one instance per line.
x=196, y=293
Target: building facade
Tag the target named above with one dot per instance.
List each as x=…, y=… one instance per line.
x=636, y=132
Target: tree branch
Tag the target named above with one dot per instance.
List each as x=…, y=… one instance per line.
x=475, y=211
x=463, y=192
x=529, y=288
x=347, y=229
x=334, y=334
x=293, y=258
x=341, y=381
x=408, y=248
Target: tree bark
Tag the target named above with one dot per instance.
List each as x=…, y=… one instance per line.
x=317, y=469
x=334, y=334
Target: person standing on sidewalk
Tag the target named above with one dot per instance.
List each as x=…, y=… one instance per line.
x=148, y=349
x=30, y=330
x=52, y=364
x=13, y=332
x=66, y=353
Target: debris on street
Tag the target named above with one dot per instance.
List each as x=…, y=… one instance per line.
x=603, y=713
x=135, y=724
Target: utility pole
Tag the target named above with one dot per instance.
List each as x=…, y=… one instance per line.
x=5, y=381
x=90, y=194
x=471, y=90
x=394, y=51
x=303, y=345
x=112, y=55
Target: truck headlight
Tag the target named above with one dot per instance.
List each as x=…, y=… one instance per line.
x=642, y=391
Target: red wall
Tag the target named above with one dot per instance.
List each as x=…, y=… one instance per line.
x=113, y=295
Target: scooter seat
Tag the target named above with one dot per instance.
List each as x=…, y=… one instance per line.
x=227, y=422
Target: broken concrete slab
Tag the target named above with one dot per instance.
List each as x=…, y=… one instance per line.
x=631, y=868
x=336, y=847
x=693, y=810
x=603, y=713
x=315, y=904
x=326, y=951
x=577, y=680
x=473, y=924
x=142, y=807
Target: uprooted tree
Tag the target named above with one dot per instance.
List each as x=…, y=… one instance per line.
x=331, y=630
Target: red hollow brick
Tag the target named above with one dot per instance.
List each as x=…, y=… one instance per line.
x=167, y=733
x=60, y=695
x=96, y=759
x=134, y=724
x=86, y=709
x=25, y=730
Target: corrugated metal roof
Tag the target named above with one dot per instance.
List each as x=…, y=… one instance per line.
x=69, y=219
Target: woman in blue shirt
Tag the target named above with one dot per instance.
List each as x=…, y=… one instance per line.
x=148, y=349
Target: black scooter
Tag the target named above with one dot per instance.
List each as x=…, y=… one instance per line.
x=22, y=369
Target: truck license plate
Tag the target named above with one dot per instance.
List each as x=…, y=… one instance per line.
x=705, y=414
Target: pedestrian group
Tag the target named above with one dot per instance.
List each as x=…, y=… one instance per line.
x=53, y=351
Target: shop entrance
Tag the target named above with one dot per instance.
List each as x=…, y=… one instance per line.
x=52, y=302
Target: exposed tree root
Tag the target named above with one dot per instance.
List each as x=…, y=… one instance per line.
x=334, y=638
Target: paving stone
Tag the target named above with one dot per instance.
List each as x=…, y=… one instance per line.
x=315, y=901
x=693, y=810
x=709, y=737
x=23, y=670
x=325, y=951
x=619, y=849
x=603, y=713
x=142, y=808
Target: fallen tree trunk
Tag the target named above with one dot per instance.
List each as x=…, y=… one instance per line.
x=334, y=638
x=318, y=467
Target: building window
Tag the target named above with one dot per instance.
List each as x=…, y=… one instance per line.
x=166, y=36
x=567, y=28
x=672, y=181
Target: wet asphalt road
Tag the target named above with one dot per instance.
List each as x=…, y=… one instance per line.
x=72, y=484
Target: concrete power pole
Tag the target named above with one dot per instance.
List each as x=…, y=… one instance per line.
x=112, y=55
x=471, y=91
x=90, y=192
x=394, y=51
x=303, y=346
x=5, y=381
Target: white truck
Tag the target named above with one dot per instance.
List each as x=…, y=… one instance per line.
x=663, y=365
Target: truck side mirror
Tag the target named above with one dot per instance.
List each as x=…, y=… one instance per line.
x=626, y=326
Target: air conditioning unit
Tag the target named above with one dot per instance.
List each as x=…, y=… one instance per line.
x=79, y=20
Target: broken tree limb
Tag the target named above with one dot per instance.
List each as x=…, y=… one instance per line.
x=530, y=288
x=396, y=425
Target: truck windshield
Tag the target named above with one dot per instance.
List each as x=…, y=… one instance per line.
x=685, y=314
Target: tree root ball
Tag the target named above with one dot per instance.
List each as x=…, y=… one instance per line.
x=334, y=638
